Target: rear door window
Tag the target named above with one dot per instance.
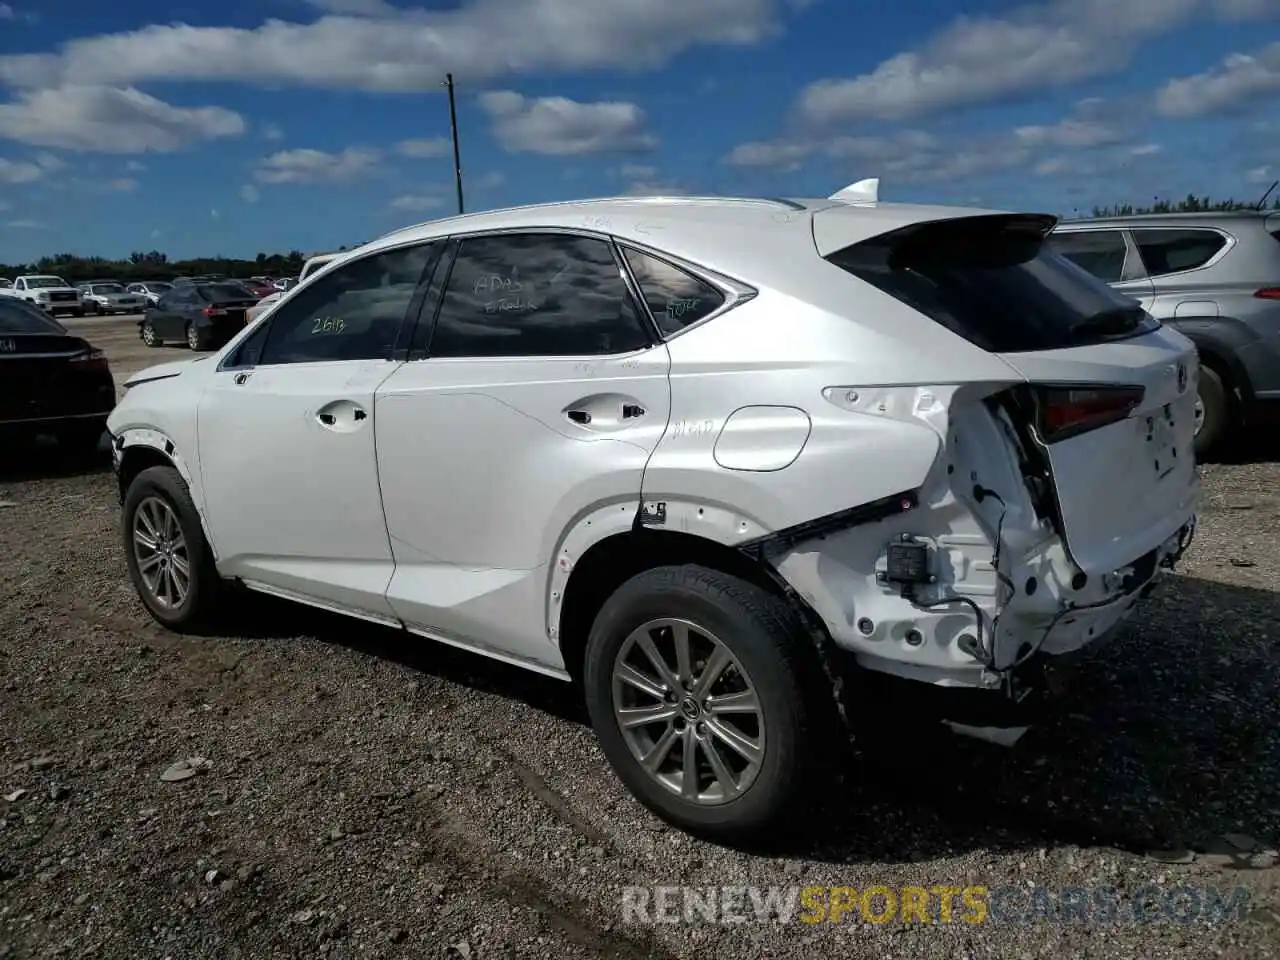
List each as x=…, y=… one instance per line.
x=994, y=281
x=1173, y=251
x=1101, y=252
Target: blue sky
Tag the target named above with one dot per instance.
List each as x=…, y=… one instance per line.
x=230, y=127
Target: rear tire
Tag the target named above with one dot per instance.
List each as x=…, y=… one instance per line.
x=768, y=654
x=148, y=334
x=158, y=508
x=1215, y=422
x=196, y=340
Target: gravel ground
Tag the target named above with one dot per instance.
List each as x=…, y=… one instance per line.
x=370, y=795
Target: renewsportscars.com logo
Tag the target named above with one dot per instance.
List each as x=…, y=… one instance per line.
x=943, y=903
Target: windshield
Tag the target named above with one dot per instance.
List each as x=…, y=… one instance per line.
x=107, y=288
x=39, y=283
x=18, y=316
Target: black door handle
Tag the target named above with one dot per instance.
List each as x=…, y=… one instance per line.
x=359, y=414
x=327, y=419
x=632, y=410
x=579, y=416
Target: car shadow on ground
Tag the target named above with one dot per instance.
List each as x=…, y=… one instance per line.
x=45, y=459
x=1169, y=739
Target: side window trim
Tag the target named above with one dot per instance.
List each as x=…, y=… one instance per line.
x=735, y=292
x=413, y=313
x=456, y=243
x=1228, y=244
x=1133, y=267
x=429, y=309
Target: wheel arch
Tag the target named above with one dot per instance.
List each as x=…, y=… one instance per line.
x=613, y=559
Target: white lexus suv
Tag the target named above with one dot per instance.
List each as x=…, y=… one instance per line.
x=721, y=461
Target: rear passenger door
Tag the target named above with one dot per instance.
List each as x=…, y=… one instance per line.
x=1110, y=255
x=533, y=396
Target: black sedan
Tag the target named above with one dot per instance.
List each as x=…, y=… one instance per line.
x=51, y=381
x=204, y=316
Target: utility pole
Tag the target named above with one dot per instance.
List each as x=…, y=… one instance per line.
x=453, y=130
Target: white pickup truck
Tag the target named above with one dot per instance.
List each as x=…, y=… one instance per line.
x=48, y=292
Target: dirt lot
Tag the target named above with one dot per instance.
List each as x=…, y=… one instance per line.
x=371, y=795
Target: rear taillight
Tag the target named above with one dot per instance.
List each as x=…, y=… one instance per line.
x=1268, y=293
x=1065, y=412
x=214, y=312
x=94, y=360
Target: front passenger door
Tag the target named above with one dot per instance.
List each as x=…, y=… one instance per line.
x=286, y=438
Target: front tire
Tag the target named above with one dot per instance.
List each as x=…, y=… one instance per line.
x=168, y=557
x=1213, y=412
x=148, y=334
x=195, y=339
x=708, y=701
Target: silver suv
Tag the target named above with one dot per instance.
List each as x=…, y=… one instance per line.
x=1214, y=277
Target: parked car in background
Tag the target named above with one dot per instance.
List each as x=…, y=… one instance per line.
x=577, y=437
x=48, y=292
x=286, y=283
x=204, y=316
x=150, y=289
x=1214, y=277
x=51, y=381
x=270, y=298
x=105, y=299
x=5, y=282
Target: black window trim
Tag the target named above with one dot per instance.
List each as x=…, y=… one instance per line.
x=269, y=316
x=1227, y=247
x=735, y=292
x=652, y=333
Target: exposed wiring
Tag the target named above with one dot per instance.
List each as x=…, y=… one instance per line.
x=1083, y=608
x=985, y=654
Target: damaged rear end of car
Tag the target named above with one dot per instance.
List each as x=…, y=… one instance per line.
x=1058, y=496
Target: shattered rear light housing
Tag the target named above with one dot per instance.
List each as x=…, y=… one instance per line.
x=1065, y=412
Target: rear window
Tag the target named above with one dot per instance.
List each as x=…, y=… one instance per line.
x=1172, y=251
x=995, y=282
x=220, y=292
x=17, y=316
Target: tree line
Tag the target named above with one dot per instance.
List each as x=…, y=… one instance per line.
x=154, y=265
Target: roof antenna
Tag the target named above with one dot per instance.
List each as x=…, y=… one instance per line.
x=864, y=191
x=1267, y=194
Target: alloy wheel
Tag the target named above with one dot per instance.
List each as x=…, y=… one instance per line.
x=193, y=337
x=148, y=334
x=160, y=549
x=688, y=711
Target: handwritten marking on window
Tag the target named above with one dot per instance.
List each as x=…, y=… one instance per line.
x=493, y=283
x=678, y=308
x=323, y=325
x=509, y=305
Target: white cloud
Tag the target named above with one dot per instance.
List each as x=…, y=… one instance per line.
x=493, y=180
x=271, y=131
x=109, y=120
x=13, y=171
x=315, y=166
x=214, y=214
x=7, y=12
x=978, y=59
x=27, y=224
x=415, y=202
x=1146, y=150
x=124, y=184
x=133, y=166
x=423, y=149
x=1069, y=133
x=1259, y=175
x=635, y=171
x=156, y=234
x=49, y=161
x=781, y=155
x=1239, y=79
x=410, y=51
x=558, y=126
x=655, y=188
x=249, y=193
